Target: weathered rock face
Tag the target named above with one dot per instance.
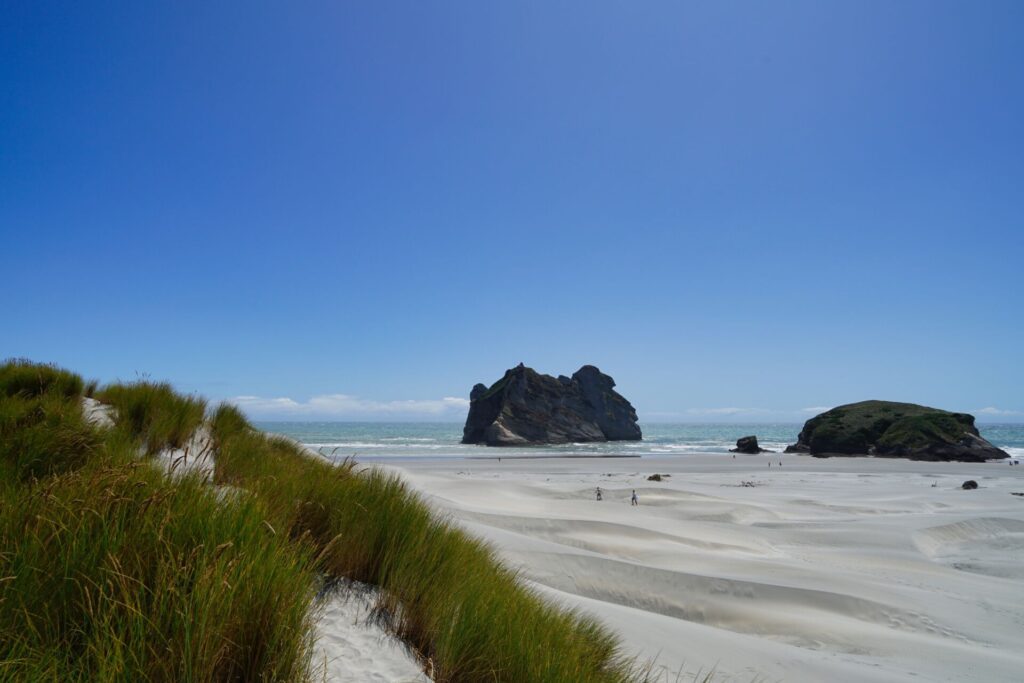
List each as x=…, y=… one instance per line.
x=895, y=430
x=525, y=407
x=748, y=445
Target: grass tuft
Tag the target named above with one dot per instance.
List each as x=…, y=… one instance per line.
x=44, y=435
x=446, y=592
x=112, y=571
x=119, y=573
x=21, y=377
x=154, y=413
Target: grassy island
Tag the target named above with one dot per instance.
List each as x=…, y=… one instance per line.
x=114, y=569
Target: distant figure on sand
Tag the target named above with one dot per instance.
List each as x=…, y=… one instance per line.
x=634, y=500
x=599, y=493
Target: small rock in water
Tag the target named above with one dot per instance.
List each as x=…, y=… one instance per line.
x=969, y=484
x=654, y=477
x=749, y=445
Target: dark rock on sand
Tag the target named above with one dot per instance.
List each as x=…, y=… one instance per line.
x=969, y=484
x=525, y=408
x=748, y=445
x=895, y=430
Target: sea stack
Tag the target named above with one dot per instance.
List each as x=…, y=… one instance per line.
x=749, y=446
x=895, y=430
x=525, y=407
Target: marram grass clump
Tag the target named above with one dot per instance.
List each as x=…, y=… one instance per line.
x=120, y=573
x=446, y=592
x=110, y=570
x=21, y=377
x=44, y=434
x=154, y=413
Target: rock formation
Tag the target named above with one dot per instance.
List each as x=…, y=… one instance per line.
x=527, y=408
x=895, y=430
x=748, y=445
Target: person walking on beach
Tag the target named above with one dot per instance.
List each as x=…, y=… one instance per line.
x=599, y=493
x=634, y=500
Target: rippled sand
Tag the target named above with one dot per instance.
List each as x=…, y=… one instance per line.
x=854, y=569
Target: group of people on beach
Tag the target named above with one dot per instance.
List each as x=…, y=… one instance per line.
x=634, y=500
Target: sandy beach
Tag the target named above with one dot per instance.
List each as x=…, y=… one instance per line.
x=852, y=569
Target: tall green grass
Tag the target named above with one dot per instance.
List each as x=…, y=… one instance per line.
x=446, y=592
x=21, y=377
x=44, y=435
x=111, y=571
x=119, y=573
x=154, y=413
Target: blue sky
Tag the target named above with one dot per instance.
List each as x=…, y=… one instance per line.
x=740, y=210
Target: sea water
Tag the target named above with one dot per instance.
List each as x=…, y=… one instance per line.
x=388, y=440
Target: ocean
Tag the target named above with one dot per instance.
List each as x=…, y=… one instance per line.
x=440, y=440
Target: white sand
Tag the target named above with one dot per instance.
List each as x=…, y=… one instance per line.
x=97, y=413
x=854, y=569
x=352, y=647
x=196, y=457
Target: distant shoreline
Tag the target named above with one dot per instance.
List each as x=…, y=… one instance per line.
x=433, y=439
x=546, y=457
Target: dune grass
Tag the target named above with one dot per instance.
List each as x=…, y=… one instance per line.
x=154, y=413
x=118, y=573
x=43, y=435
x=21, y=377
x=112, y=571
x=42, y=430
x=446, y=593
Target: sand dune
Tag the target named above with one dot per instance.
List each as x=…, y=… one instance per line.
x=352, y=646
x=851, y=569
x=985, y=545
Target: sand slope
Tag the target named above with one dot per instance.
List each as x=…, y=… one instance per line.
x=352, y=647
x=851, y=569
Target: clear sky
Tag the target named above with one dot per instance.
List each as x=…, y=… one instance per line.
x=357, y=210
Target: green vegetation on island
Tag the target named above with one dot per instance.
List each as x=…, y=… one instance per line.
x=891, y=429
x=113, y=570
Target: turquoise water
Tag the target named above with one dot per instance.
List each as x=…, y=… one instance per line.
x=373, y=440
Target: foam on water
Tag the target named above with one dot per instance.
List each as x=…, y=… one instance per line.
x=373, y=440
